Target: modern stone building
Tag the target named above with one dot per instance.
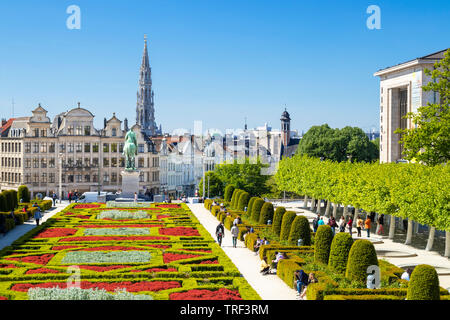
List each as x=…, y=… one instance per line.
x=401, y=92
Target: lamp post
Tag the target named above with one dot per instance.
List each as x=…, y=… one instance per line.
x=208, y=186
x=60, y=158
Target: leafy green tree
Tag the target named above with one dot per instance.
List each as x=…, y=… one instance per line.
x=428, y=141
x=246, y=176
x=215, y=185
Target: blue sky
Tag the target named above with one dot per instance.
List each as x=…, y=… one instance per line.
x=213, y=60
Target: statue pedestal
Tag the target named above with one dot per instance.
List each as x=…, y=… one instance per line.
x=130, y=183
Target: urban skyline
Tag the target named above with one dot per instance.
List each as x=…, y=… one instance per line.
x=246, y=85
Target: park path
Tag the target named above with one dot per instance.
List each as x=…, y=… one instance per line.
x=441, y=263
x=20, y=230
x=269, y=287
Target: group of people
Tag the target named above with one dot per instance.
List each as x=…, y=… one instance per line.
x=344, y=224
x=73, y=195
x=301, y=282
x=267, y=268
x=12, y=215
x=220, y=232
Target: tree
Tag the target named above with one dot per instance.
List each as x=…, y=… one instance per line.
x=428, y=141
x=246, y=176
x=215, y=185
x=338, y=144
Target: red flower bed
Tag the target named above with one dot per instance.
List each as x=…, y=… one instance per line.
x=112, y=238
x=101, y=268
x=121, y=226
x=79, y=216
x=204, y=294
x=161, y=246
x=179, y=231
x=42, y=270
x=3, y=298
x=129, y=209
x=210, y=262
x=7, y=266
x=42, y=259
x=162, y=216
x=169, y=257
x=64, y=247
x=112, y=248
x=86, y=206
x=128, y=285
x=156, y=270
x=199, y=250
x=56, y=232
x=171, y=206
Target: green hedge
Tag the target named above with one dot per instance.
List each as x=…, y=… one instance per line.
x=277, y=219
x=266, y=213
x=256, y=209
x=362, y=255
x=235, y=198
x=250, y=240
x=340, y=249
x=23, y=194
x=250, y=206
x=228, y=192
x=362, y=297
x=322, y=244
x=424, y=284
x=243, y=200
x=286, y=223
x=3, y=202
x=215, y=210
x=286, y=269
x=300, y=230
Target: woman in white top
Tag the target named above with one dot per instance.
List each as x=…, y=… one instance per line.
x=342, y=224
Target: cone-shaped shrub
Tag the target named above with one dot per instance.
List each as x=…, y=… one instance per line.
x=286, y=223
x=277, y=219
x=23, y=194
x=3, y=202
x=300, y=230
x=14, y=199
x=322, y=244
x=9, y=200
x=250, y=205
x=340, y=248
x=229, y=189
x=423, y=284
x=266, y=213
x=235, y=197
x=362, y=255
x=243, y=200
x=256, y=209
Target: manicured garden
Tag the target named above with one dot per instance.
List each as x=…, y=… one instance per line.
x=339, y=262
x=121, y=251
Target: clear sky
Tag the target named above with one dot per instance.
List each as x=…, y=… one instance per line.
x=213, y=60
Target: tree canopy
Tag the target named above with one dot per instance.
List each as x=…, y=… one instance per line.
x=338, y=144
x=215, y=185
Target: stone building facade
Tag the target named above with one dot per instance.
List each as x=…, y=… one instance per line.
x=401, y=92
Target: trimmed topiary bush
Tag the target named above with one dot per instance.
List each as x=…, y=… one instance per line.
x=243, y=200
x=23, y=193
x=228, y=192
x=9, y=200
x=362, y=255
x=300, y=230
x=235, y=198
x=3, y=203
x=286, y=223
x=250, y=205
x=266, y=213
x=322, y=244
x=256, y=209
x=277, y=218
x=215, y=210
x=340, y=249
x=423, y=284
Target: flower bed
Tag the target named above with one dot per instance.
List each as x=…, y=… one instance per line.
x=203, y=294
x=112, y=253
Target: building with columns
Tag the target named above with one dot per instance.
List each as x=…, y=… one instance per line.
x=401, y=92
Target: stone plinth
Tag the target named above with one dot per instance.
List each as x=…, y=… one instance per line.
x=130, y=183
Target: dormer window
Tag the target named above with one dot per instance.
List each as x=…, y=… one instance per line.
x=114, y=132
x=87, y=130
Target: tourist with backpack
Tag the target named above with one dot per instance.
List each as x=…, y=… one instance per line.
x=234, y=233
x=332, y=223
x=220, y=233
x=315, y=222
x=37, y=215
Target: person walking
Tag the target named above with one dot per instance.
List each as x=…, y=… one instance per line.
x=342, y=224
x=359, y=225
x=135, y=197
x=54, y=198
x=350, y=225
x=321, y=222
x=315, y=222
x=37, y=215
x=332, y=223
x=220, y=233
x=69, y=195
x=380, y=221
x=234, y=234
x=367, y=225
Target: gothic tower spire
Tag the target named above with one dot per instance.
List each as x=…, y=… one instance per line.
x=145, y=110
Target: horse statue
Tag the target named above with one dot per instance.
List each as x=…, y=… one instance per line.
x=130, y=150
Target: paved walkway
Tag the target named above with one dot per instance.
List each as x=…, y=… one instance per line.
x=269, y=287
x=441, y=263
x=20, y=230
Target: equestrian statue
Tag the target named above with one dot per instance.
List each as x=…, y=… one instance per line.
x=130, y=151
